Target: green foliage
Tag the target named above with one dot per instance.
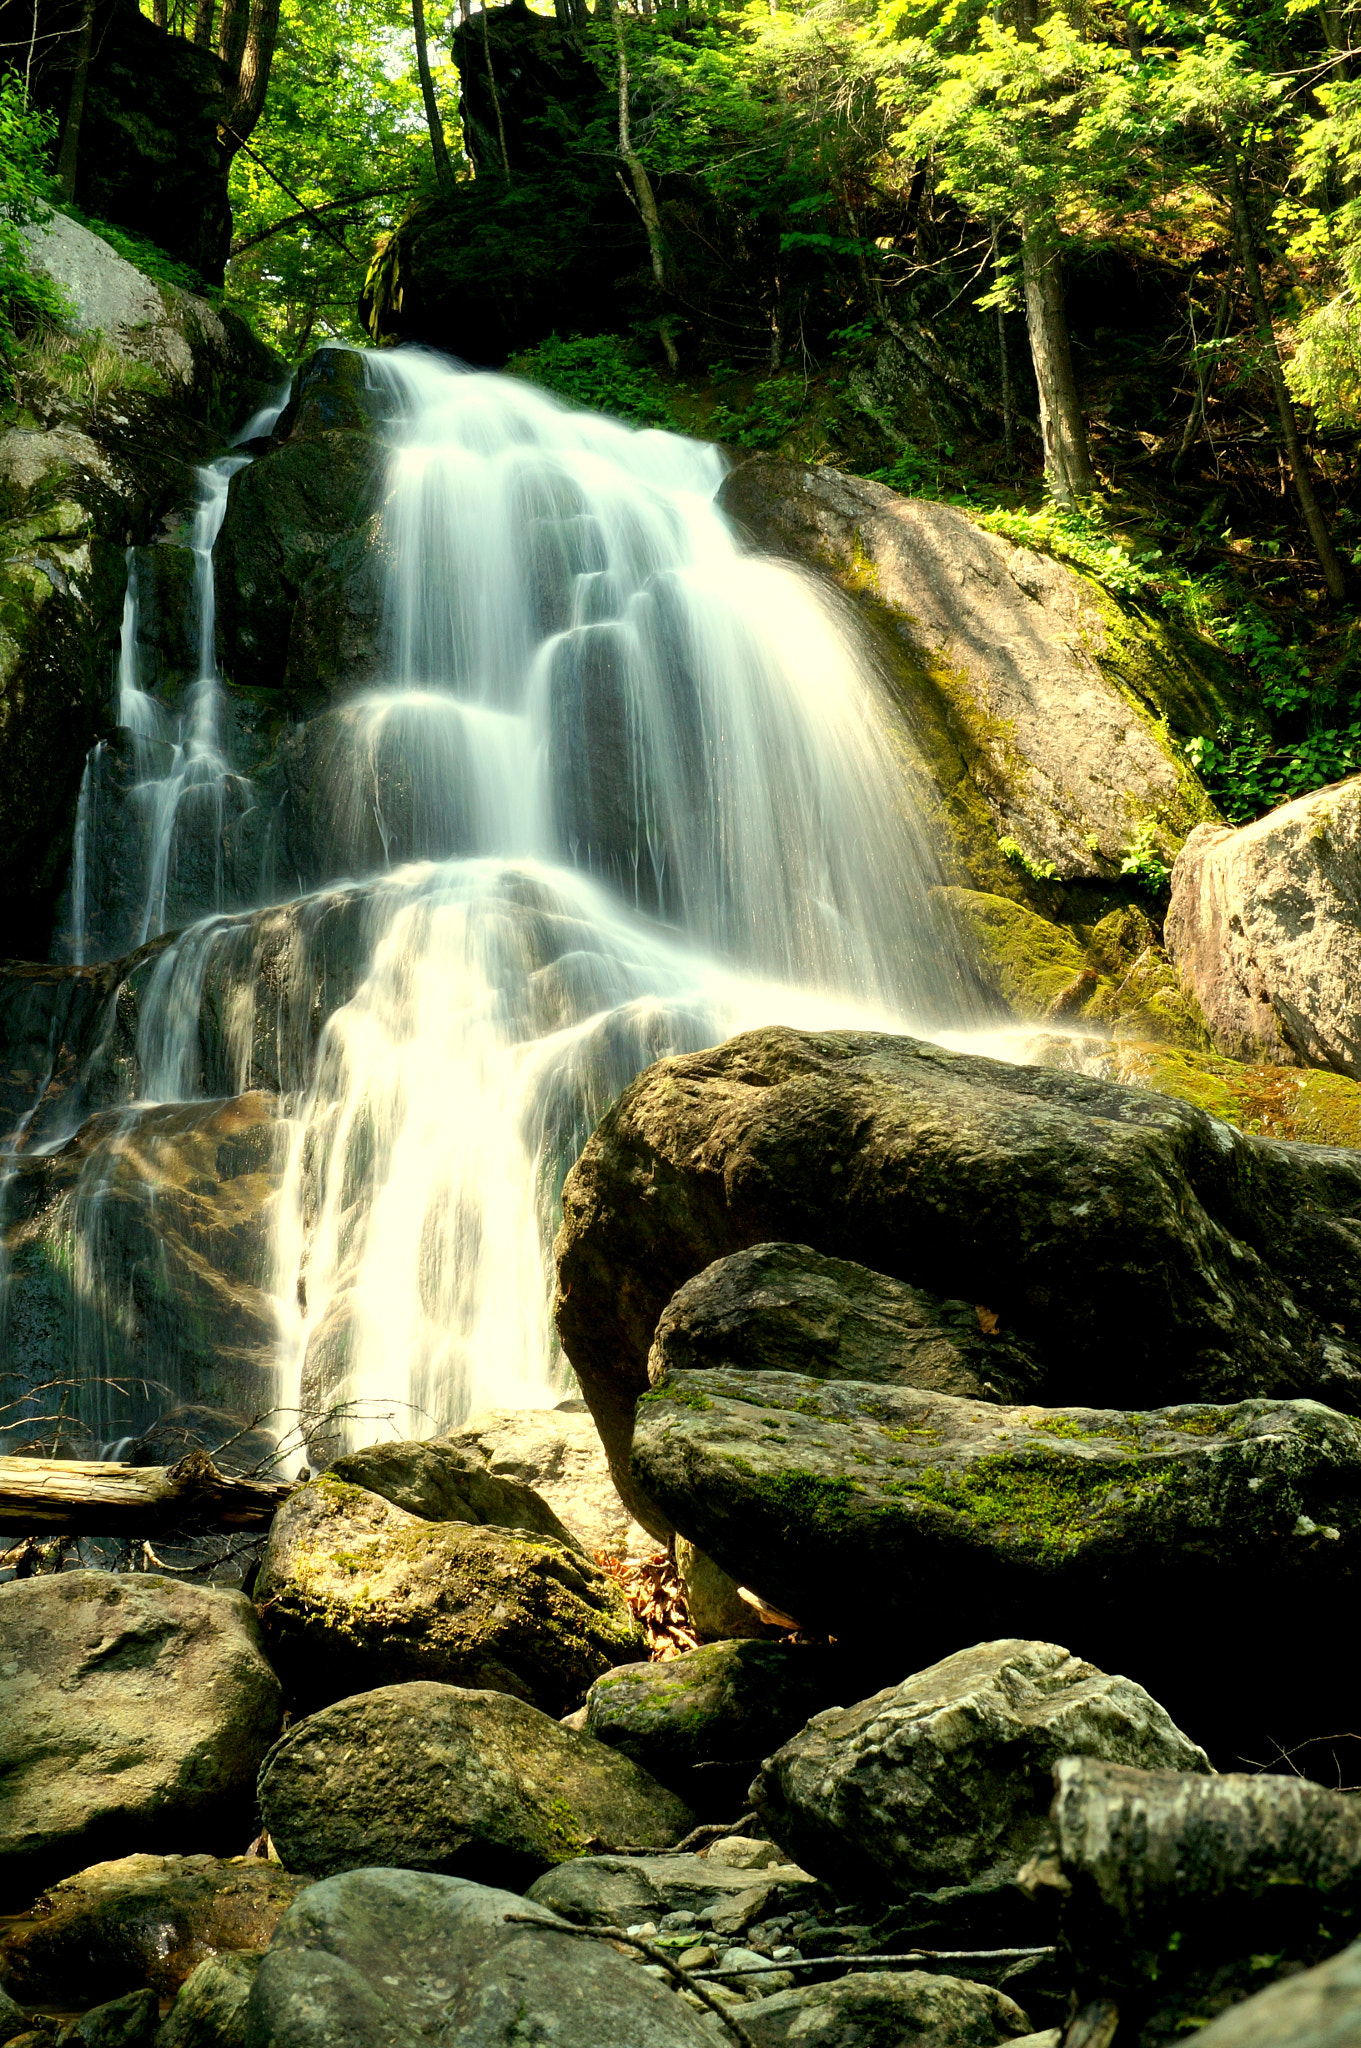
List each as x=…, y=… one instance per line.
x=1038, y=870
x=1143, y=860
x=594, y=371
x=29, y=302
x=773, y=411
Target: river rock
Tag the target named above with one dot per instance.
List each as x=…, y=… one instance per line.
x=439, y=1777
x=865, y=1509
x=886, y=2009
x=132, y=2021
x=404, y=1957
x=702, y=1722
x=136, y=1712
x=210, y=2010
x=945, y=1779
x=558, y=1452
x=628, y=1891
x=13, y=2019
x=1182, y=1895
x=1319, y=2008
x=1144, y=1251
x=786, y=1308
x=1265, y=927
x=1058, y=704
x=141, y=1920
x=442, y=1482
x=355, y=1590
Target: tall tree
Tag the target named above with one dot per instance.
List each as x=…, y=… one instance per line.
x=68, y=158
x=444, y=172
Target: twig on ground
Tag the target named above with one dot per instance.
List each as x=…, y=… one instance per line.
x=853, y=1961
x=684, y=1979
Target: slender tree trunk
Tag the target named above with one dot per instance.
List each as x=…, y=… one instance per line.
x=160, y=13
x=444, y=170
x=231, y=33
x=69, y=157
x=495, y=95
x=1067, y=458
x=642, y=184
x=1004, y=362
x=203, y=24
x=262, y=32
x=1333, y=573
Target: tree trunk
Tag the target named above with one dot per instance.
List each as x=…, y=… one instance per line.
x=642, y=184
x=203, y=24
x=65, y=1495
x=444, y=170
x=1067, y=458
x=231, y=33
x=160, y=13
x=69, y=157
x=1334, y=575
x=252, y=80
x=495, y=95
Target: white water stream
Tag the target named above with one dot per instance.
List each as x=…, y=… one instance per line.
x=625, y=791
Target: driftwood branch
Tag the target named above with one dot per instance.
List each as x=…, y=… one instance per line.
x=77, y=1498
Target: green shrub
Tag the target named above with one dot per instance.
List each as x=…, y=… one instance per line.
x=29, y=302
x=594, y=372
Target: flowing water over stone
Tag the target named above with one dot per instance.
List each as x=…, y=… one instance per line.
x=620, y=791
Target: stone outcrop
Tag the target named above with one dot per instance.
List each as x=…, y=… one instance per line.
x=1145, y=1252
x=702, y=1722
x=352, y=1961
x=136, y=1712
x=1265, y=928
x=356, y=1592
x=442, y=1482
x=143, y=1920
x=627, y=1891
x=946, y=1778
x=785, y=1308
x=1036, y=698
x=441, y=1777
x=861, y=1510
x=558, y=1452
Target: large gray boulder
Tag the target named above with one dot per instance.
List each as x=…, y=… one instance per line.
x=441, y=1777
x=442, y=1482
x=1265, y=928
x=136, y=1713
x=886, y=2009
x=1144, y=1251
x=1319, y=2008
x=140, y=1920
x=356, y=1592
x=1183, y=1895
x=704, y=1721
x=1047, y=709
x=946, y=1778
x=403, y=1958
x=786, y=1308
x=628, y=1891
x=558, y=1452
x=860, y=1510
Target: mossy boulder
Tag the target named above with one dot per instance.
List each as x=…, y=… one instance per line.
x=1045, y=711
x=443, y=1482
x=1302, y=1104
x=1141, y=1250
x=440, y=1777
x=354, y=1592
x=890, y=2009
x=1155, y=1542
x=702, y=1722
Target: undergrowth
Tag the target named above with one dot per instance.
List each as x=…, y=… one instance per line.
x=596, y=371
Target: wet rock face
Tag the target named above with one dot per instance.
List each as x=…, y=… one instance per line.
x=946, y=1778
x=437, y=1777
x=1265, y=928
x=1144, y=1252
x=136, y=1713
x=1046, y=694
x=141, y=1920
x=702, y=1722
x=353, y=1962
x=863, y=1509
x=357, y=1592
x=785, y=1308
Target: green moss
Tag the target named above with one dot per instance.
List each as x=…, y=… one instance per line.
x=1209, y=1422
x=1302, y=1103
x=1048, y=1502
x=808, y=1500
x=688, y=1397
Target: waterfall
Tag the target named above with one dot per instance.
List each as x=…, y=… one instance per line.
x=622, y=791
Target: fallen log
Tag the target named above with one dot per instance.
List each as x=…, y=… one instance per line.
x=73, y=1497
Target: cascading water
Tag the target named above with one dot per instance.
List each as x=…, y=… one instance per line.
x=623, y=791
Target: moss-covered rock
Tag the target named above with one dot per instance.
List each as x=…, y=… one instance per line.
x=439, y=1777
x=355, y=1592
x=1304, y=1104
x=442, y=1482
x=1045, y=712
x=1131, y=1535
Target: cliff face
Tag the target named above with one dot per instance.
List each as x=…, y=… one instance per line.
x=104, y=438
